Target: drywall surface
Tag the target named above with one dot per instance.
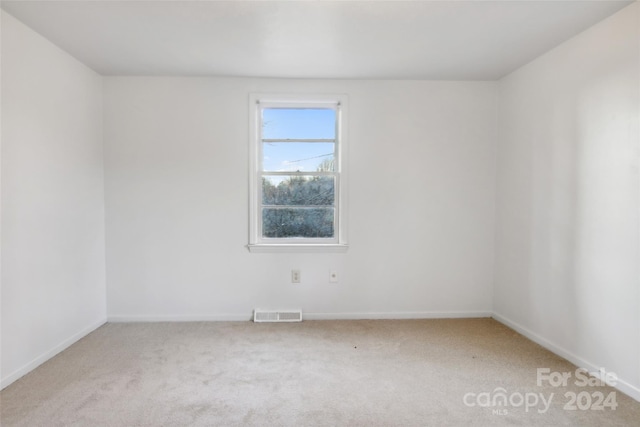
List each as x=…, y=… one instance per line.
x=421, y=202
x=567, y=199
x=53, y=262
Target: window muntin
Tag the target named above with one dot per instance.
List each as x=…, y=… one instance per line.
x=296, y=195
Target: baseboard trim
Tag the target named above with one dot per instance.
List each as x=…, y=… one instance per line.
x=621, y=384
x=127, y=318
x=121, y=318
x=396, y=315
x=20, y=372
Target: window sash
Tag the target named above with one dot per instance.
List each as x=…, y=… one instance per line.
x=336, y=206
x=258, y=172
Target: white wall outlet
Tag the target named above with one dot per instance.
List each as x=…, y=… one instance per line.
x=295, y=276
x=333, y=276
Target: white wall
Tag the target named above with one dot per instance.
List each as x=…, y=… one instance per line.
x=421, y=202
x=53, y=266
x=567, y=208
x=422, y=215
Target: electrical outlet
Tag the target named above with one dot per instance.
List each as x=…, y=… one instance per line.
x=295, y=276
x=333, y=276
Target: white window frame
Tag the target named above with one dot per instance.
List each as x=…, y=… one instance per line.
x=257, y=243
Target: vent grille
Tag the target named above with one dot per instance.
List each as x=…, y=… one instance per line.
x=277, y=315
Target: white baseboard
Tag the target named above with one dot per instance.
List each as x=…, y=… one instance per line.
x=621, y=384
x=305, y=316
x=22, y=371
x=396, y=315
x=122, y=318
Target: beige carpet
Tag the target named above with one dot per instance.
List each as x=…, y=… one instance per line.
x=315, y=373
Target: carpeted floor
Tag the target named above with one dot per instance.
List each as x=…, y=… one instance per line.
x=316, y=373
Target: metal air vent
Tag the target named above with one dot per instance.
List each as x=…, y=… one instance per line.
x=277, y=315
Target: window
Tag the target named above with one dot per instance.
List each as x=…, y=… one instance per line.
x=297, y=173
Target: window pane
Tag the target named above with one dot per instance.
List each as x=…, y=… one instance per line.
x=297, y=222
x=298, y=156
x=298, y=190
x=303, y=123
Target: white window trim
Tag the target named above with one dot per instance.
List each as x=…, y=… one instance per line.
x=256, y=242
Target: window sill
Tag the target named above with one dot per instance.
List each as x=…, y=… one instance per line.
x=298, y=248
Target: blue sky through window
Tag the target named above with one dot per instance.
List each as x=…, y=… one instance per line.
x=289, y=123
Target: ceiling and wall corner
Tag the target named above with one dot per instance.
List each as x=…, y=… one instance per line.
x=426, y=40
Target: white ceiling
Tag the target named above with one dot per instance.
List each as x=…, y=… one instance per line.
x=451, y=40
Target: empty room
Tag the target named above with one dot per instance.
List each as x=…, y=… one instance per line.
x=320, y=213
